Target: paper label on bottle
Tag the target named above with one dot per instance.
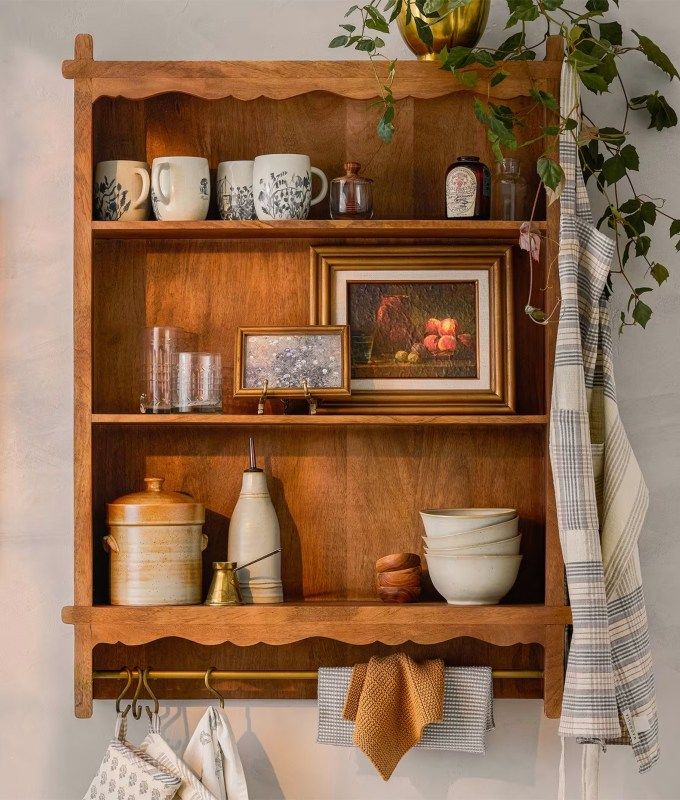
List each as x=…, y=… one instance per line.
x=461, y=193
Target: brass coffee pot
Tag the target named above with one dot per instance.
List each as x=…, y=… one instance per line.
x=224, y=589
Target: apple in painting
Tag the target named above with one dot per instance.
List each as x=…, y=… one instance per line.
x=448, y=327
x=447, y=344
x=465, y=339
x=431, y=342
x=432, y=327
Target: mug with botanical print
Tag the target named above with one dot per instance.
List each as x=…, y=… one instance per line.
x=235, y=190
x=180, y=188
x=282, y=186
x=121, y=190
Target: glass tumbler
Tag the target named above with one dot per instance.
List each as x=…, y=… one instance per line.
x=199, y=380
x=509, y=195
x=161, y=347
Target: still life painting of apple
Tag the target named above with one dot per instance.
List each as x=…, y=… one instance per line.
x=414, y=329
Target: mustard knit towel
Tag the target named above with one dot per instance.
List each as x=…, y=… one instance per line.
x=391, y=700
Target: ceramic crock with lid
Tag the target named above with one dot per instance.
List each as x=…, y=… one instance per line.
x=155, y=540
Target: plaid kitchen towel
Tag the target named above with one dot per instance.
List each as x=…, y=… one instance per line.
x=601, y=495
x=468, y=710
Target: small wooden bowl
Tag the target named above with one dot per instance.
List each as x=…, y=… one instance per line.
x=397, y=561
x=390, y=594
x=403, y=578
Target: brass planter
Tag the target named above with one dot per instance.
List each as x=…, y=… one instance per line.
x=463, y=27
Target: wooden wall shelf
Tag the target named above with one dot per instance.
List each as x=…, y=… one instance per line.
x=313, y=229
x=354, y=622
x=319, y=420
x=346, y=487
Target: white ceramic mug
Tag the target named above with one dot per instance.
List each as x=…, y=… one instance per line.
x=235, y=190
x=180, y=187
x=282, y=186
x=121, y=190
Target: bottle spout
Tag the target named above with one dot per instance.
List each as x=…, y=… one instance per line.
x=251, y=456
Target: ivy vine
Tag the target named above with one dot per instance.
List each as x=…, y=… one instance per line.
x=595, y=45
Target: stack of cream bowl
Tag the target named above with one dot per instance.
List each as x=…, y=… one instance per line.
x=472, y=553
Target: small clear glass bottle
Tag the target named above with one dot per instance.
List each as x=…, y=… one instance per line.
x=509, y=193
x=351, y=194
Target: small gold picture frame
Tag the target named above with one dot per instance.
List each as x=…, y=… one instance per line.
x=293, y=362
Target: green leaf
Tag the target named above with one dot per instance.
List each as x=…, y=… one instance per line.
x=551, y=5
x=468, y=78
x=349, y=28
x=550, y=172
x=642, y=245
x=551, y=130
x=351, y=10
x=660, y=113
x=656, y=55
x=498, y=77
x=642, y=313
x=544, y=98
x=648, y=211
x=524, y=10
x=339, y=41
x=570, y=124
x=485, y=59
x=659, y=273
x=594, y=82
x=630, y=157
x=612, y=32
x=630, y=206
x=457, y=57
x=614, y=169
x=395, y=11
x=514, y=43
x=611, y=135
x=675, y=227
x=385, y=126
x=583, y=61
x=365, y=45
x=424, y=32
x=597, y=6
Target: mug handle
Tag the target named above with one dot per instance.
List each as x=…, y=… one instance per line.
x=156, y=171
x=146, y=185
x=324, y=185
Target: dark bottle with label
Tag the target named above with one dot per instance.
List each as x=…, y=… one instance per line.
x=468, y=189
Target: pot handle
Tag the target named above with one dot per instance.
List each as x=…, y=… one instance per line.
x=110, y=544
x=204, y=541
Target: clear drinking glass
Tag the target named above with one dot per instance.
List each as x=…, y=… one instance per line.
x=199, y=381
x=509, y=193
x=162, y=344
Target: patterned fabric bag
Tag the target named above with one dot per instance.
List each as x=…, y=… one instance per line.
x=128, y=773
x=155, y=746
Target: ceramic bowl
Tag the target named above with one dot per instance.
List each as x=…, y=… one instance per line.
x=400, y=577
x=473, y=580
x=396, y=561
x=445, y=521
x=492, y=533
x=506, y=547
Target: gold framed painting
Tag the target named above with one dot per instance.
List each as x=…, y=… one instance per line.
x=431, y=326
x=292, y=362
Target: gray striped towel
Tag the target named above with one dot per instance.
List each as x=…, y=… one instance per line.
x=468, y=710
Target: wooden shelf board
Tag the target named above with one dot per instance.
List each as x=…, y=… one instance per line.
x=312, y=229
x=319, y=420
x=353, y=622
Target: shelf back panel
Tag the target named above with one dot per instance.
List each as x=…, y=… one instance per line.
x=408, y=173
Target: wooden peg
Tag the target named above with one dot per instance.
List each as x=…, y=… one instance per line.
x=83, y=49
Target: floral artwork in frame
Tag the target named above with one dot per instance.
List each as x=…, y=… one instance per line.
x=288, y=359
x=431, y=326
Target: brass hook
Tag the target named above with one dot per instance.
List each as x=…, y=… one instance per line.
x=213, y=691
x=312, y=402
x=137, y=710
x=144, y=681
x=152, y=696
x=121, y=696
x=263, y=397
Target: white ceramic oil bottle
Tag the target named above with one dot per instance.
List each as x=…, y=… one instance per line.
x=253, y=532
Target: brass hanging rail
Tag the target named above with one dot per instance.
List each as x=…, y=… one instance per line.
x=221, y=675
